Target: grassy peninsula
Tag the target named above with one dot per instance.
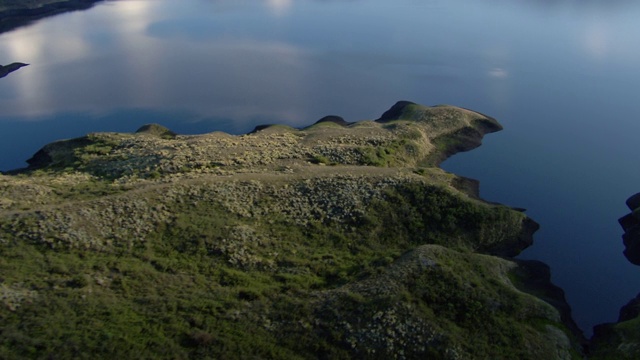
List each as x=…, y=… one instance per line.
x=334, y=241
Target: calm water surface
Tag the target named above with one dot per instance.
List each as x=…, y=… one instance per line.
x=563, y=77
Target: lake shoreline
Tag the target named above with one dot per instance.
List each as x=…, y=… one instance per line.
x=16, y=17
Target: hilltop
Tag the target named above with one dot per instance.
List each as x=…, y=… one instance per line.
x=338, y=240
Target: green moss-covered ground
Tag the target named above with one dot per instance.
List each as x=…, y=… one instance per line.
x=234, y=247
x=210, y=283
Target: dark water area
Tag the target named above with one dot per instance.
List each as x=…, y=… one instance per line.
x=562, y=76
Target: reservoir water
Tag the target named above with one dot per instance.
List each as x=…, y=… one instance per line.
x=562, y=76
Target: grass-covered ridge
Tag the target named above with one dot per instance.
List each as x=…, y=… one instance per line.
x=335, y=241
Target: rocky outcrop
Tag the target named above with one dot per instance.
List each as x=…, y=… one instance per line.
x=631, y=225
x=621, y=340
x=536, y=279
x=631, y=310
x=338, y=240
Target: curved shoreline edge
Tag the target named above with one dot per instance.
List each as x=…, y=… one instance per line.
x=323, y=235
x=13, y=18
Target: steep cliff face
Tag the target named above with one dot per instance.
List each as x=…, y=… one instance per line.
x=334, y=241
x=631, y=225
x=621, y=340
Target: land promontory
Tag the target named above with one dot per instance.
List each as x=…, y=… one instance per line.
x=338, y=240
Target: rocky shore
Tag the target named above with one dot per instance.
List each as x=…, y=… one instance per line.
x=338, y=240
x=631, y=225
x=621, y=340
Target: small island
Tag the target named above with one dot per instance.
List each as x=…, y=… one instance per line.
x=337, y=240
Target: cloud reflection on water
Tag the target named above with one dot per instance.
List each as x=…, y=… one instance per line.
x=133, y=54
x=218, y=76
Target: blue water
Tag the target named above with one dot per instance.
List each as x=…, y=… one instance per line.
x=562, y=76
